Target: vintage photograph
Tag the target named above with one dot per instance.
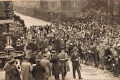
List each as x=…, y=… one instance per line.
x=59, y=39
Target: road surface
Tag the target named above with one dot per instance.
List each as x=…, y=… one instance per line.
x=29, y=21
x=88, y=73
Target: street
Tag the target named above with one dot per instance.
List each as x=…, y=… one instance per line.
x=87, y=73
x=29, y=21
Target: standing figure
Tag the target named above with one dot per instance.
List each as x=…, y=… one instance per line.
x=76, y=64
x=7, y=69
x=15, y=74
x=55, y=65
x=46, y=63
x=47, y=54
x=63, y=58
x=13, y=71
x=26, y=69
x=38, y=71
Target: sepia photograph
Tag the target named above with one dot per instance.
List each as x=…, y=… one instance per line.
x=59, y=39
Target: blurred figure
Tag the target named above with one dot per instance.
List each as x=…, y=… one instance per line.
x=76, y=63
x=46, y=63
x=15, y=74
x=26, y=69
x=48, y=54
x=6, y=68
x=63, y=58
x=39, y=55
x=12, y=71
x=38, y=71
x=55, y=65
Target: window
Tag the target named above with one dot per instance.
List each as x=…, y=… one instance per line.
x=74, y=4
x=53, y=4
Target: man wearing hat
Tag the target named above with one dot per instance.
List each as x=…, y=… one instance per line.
x=63, y=58
x=55, y=65
x=76, y=63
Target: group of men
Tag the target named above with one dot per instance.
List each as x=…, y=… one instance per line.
x=41, y=65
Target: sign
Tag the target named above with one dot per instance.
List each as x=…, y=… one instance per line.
x=6, y=21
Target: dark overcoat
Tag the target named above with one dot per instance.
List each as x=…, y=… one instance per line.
x=55, y=65
x=38, y=72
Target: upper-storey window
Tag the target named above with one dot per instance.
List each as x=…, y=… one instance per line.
x=53, y=4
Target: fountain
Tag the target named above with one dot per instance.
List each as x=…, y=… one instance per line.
x=9, y=51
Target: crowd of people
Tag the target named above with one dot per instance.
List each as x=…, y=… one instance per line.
x=48, y=49
x=98, y=45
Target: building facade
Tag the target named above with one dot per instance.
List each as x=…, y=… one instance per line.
x=62, y=5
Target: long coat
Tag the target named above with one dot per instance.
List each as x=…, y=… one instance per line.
x=38, y=72
x=65, y=63
x=46, y=63
x=55, y=65
x=26, y=71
